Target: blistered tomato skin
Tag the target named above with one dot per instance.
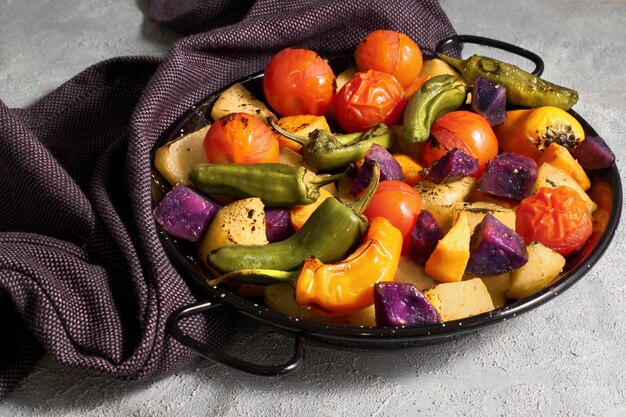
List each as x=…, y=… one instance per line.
x=556, y=217
x=299, y=81
x=399, y=203
x=369, y=98
x=240, y=138
x=468, y=131
x=390, y=52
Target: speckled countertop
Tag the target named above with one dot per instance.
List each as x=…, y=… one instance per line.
x=565, y=358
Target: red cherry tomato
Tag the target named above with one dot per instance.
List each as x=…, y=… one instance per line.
x=399, y=203
x=299, y=81
x=369, y=98
x=556, y=217
x=391, y=52
x=468, y=131
x=240, y=138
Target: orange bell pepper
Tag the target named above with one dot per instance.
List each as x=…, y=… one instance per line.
x=348, y=286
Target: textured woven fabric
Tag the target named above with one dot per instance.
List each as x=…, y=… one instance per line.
x=83, y=275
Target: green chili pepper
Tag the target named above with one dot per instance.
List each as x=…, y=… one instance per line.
x=323, y=150
x=328, y=234
x=277, y=185
x=522, y=88
x=437, y=96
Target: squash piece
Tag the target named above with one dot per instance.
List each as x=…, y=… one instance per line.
x=459, y=300
x=477, y=211
x=301, y=125
x=237, y=99
x=175, y=159
x=560, y=157
x=411, y=169
x=550, y=176
x=299, y=214
x=241, y=222
x=544, y=266
x=448, y=261
x=439, y=199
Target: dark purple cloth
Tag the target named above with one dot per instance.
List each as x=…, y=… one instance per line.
x=83, y=275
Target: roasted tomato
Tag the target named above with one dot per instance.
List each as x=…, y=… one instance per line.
x=391, y=52
x=470, y=132
x=399, y=203
x=556, y=217
x=369, y=98
x=299, y=81
x=240, y=138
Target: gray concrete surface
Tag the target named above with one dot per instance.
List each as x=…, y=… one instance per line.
x=565, y=358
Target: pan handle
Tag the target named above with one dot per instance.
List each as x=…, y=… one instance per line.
x=479, y=40
x=215, y=355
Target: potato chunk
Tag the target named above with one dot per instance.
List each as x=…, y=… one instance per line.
x=440, y=199
x=237, y=99
x=544, y=266
x=458, y=300
x=175, y=159
x=242, y=222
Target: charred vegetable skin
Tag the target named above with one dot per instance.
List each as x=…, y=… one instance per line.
x=347, y=286
x=328, y=234
x=277, y=185
x=437, y=96
x=522, y=88
x=324, y=150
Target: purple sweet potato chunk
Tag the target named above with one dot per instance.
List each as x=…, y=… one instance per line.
x=402, y=304
x=424, y=237
x=594, y=153
x=509, y=175
x=489, y=100
x=277, y=224
x=454, y=164
x=390, y=169
x=185, y=214
x=495, y=249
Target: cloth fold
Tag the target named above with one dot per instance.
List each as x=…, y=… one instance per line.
x=83, y=275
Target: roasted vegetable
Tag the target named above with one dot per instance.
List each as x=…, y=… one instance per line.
x=559, y=157
x=241, y=222
x=401, y=304
x=436, y=97
x=497, y=286
x=184, y=213
x=328, y=234
x=453, y=165
x=509, y=175
x=529, y=131
x=411, y=169
x=448, y=261
x=549, y=176
x=495, y=249
x=324, y=150
x=594, y=153
x=300, y=213
x=277, y=185
x=389, y=168
x=489, y=100
x=237, y=99
x=544, y=266
x=277, y=224
x=301, y=125
x=440, y=199
x=458, y=300
x=424, y=237
x=522, y=88
x=476, y=212
x=347, y=286
x=175, y=159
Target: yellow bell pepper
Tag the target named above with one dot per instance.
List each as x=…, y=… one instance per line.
x=529, y=131
x=348, y=286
